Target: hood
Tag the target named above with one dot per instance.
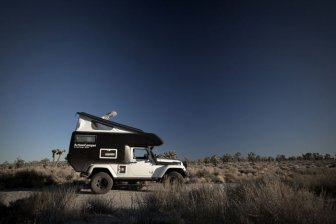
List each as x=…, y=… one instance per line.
x=168, y=161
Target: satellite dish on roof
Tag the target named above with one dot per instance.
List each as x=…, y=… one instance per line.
x=109, y=115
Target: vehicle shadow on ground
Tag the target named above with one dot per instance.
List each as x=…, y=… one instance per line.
x=134, y=188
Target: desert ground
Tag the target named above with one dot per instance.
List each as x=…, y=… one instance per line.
x=245, y=191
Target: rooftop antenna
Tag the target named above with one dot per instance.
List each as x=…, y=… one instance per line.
x=109, y=115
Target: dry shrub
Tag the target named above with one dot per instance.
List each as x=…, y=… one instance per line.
x=218, y=179
x=324, y=182
x=272, y=201
x=98, y=206
x=306, y=173
x=232, y=177
x=25, y=177
x=207, y=174
x=36, y=176
x=183, y=205
x=53, y=205
x=261, y=201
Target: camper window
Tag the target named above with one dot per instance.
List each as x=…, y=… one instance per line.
x=85, y=139
x=98, y=126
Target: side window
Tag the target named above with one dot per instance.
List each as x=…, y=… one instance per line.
x=85, y=139
x=140, y=153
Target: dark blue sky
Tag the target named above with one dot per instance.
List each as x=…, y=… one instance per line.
x=208, y=77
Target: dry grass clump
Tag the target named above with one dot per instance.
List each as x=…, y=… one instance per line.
x=53, y=205
x=262, y=201
x=57, y=204
x=299, y=172
x=206, y=174
x=266, y=200
x=204, y=204
x=36, y=176
x=99, y=206
x=320, y=182
x=25, y=177
x=272, y=201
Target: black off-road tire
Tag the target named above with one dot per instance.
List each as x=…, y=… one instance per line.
x=101, y=183
x=173, y=179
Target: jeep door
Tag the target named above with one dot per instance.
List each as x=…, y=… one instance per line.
x=141, y=166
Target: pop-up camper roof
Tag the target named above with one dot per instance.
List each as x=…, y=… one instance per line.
x=91, y=123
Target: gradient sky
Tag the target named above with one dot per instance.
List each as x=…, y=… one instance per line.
x=208, y=77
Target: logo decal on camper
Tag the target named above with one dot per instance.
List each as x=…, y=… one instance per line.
x=84, y=146
x=108, y=153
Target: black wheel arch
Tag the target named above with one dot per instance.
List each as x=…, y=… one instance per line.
x=181, y=171
x=98, y=170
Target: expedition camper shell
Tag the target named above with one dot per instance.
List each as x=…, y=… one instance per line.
x=122, y=152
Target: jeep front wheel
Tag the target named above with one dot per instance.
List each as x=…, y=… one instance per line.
x=173, y=179
x=101, y=183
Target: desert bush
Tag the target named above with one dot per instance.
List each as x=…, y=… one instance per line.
x=323, y=181
x=272, y=201
x=260, y=201
x=19, y=163
x=304, y=173
x=25, y=178
x=53, y=205
x=36, y=176
x=98, y=206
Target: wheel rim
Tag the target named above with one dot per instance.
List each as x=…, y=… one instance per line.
x=102, y=183
x=174, y=181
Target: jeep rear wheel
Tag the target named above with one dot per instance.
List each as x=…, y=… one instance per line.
x=173, y=179
x=101, y=183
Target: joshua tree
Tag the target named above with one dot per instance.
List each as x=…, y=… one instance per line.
x=199, y=162
x=251, y=157
x=237, y=156
x=57, y=153
x=226, y=158
x=280, y=158
x=307, y=156
x=206, y=160
x=19, y=162
x=215, y=160
x=317, y=156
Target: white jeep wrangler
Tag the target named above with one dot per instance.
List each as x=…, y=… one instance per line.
x=108, y=152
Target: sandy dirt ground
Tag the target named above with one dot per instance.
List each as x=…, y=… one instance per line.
x=123, y=198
